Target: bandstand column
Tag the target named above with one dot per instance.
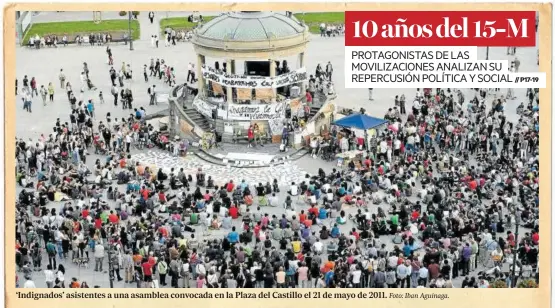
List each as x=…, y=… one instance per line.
x=200, y=83
x=272, y=75
x=301, y=63
x=229, y=90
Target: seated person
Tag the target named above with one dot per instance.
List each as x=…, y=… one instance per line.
x=342, y=219
x=332, y=246
x=200, y=178
x=226, y=222
x=210, y=182
x=175, y=183
x=215, y=224
x=335, y=231
x=161, y=176
x=293, y=189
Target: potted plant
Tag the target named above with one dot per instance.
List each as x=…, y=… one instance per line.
x=122, y=13
x=135, y=14
x=527, y=283
x=498, y=284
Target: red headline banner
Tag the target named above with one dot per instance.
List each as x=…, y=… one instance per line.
x=436, y=28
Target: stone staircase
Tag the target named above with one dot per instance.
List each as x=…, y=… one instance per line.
x=199, y=119
x=208, y=157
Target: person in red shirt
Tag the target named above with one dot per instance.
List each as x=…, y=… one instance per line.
x=367, y=162
x=85, y=212
x=98, y=223
x=230, y=186
x=147, y=273
x=302, y=216
x=163, y=231
x=233, y=212
x=250, y=136
x=415, y=215
x=308, y=98
x=162, y=197
x=313, y=210
x=355, y=234
x=535, y=238
x=113, y=218
x=145, y=192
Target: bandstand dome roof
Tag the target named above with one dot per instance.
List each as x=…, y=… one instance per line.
x=249, y=35
x=251, y=26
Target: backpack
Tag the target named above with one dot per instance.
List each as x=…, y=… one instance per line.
x=124, y=215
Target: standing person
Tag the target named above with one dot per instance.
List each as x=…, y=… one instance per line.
x=62, y=78
x=34, y=90
x=517, y=64
x=152, y=92
x=110, y=57
x=101, y=97
x=120, y=78
x=145, y=73
x=156, y=40
x=151, y=17
x=189, y=71
x=26, y=83
x=167, y=39
x=329, y=70
x=113, y=76
x=98, y=257
x=370, y=93
x=402, y=104
x=49, y=276
x=86, y=69
x=83, y=81
x=115, y=93
x=162, y=271
x=69, y=90
x=250, y=136
x=152, y=41
x=90, y=108
x=43, y=93
x=27, y=101
x=51, y=92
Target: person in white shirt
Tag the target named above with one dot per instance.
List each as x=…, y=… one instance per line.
x=422, y=276
x=273, y=200
x=29, y=284
x=318, y=247
x=392, y=261
x=356, y=274
x=403, y=273
x=49, y=276
x=293, y=190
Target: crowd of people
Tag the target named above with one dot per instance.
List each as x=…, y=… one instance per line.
x=449, y=189
x=437, y=197
x=51, y=40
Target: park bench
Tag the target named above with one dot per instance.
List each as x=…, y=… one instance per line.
x=116, y=37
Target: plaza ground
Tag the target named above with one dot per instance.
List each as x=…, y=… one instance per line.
x=45, y=64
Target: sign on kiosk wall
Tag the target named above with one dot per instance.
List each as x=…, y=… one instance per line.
x=255, y=112
x=254, y=82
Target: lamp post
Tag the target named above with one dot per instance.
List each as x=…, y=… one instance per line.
x=129, y=29
x=110, y=264
x=515, y=250
x=487, y=52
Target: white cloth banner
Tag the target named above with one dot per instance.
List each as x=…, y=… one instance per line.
x=256, y=112
x=254, y=82
x=203, y=107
